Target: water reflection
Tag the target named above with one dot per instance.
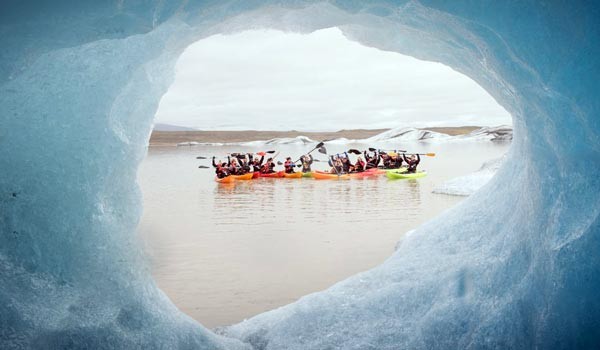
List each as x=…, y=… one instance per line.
x=223, y=252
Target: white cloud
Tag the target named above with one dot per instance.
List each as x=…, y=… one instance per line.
x=270, y=80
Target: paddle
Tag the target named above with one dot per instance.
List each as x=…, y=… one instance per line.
x=319, y=145
x=264, y=153
x=203, y=167
x=200, y=157
x=354, y=151
x=423, y=154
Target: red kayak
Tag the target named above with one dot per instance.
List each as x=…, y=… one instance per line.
x=276, y=174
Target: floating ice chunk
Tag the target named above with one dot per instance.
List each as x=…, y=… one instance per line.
x=406, y=134
x=468, y=184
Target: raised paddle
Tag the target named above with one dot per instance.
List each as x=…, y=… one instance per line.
x=264, y=153
x=200, y=157
x=354, y=151
x=319, y=145
x=203, y=167
x=423, y=154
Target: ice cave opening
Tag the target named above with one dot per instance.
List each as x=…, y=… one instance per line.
x=513, y=266
x=225, y=253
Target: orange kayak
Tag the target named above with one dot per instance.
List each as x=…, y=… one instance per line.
x=247, y=176
x=321, y=175
x=293, y=175
x=225, y=180
x=277, y=174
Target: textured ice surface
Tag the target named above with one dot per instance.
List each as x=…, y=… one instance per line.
x=406, y=134
x=468, y=184
x=516, y=265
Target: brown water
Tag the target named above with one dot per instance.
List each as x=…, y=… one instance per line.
x=223, y=253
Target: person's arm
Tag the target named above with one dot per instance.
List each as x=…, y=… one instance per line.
x=310, y=159
x=250, y=158
x=418, y=159
x=228, y=161
x=213, y=162
x=404, y=156
x=261, y=160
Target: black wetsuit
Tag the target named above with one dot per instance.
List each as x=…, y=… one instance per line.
x=372, y=162
x=397, y=162
x=234, y=169
x=346, y=164
x=306, y=163
x=220, y=170
x=256, y=164
x=412, y=164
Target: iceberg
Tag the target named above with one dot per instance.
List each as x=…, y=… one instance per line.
x=515, y=265
x=298, y=140
x=468, y=184
x=497, y=133
x=406, y=134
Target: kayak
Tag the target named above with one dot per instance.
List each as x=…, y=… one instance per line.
x=321, y=175
x=398, y=170
x=396, y=175
x=366, y=173
x=225, y=180
x=277, y=174
x=247, y=176
x=308, y=174
x=292, y=175
x=255, y=175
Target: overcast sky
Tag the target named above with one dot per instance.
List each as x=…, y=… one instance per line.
x=270, y=80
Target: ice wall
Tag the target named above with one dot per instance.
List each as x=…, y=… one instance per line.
x=514, y=266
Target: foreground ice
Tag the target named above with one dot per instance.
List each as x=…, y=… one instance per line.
x=468, y=184
x=515, y=265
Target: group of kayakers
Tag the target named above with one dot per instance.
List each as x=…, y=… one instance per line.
x=243, y=163
x=341, y=163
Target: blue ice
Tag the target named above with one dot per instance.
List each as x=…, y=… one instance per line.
x=516, y=265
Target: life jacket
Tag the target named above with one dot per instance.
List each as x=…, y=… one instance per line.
x=267, y=168
x=359, y=166
x=289, y=166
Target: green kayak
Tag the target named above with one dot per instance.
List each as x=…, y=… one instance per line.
x=397, y=170
x=396, y=175
x=309, y=174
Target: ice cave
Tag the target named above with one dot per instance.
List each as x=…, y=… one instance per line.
x=514, y=266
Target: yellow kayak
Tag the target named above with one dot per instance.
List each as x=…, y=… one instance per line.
x=321, y=175
x=247, y=176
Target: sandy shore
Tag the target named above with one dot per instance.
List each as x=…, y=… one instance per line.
x=172, y=138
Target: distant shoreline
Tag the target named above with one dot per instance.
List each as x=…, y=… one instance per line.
x=172, y=138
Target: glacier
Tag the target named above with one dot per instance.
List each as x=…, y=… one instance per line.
x=515, y=265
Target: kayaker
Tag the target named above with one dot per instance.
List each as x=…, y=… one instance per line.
x=255, y=162
x=372, y=161
x=387, y=160
x=359, y=166
x=289, y=165
x=268, y=167
x=337, y=167
x=307, y=161
x=220, y=169
x=243, y=162
x=412, y=162
x=397, y=161
x=234, y=167
x=346, y=165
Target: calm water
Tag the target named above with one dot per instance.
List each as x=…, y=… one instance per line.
x=223, y=253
